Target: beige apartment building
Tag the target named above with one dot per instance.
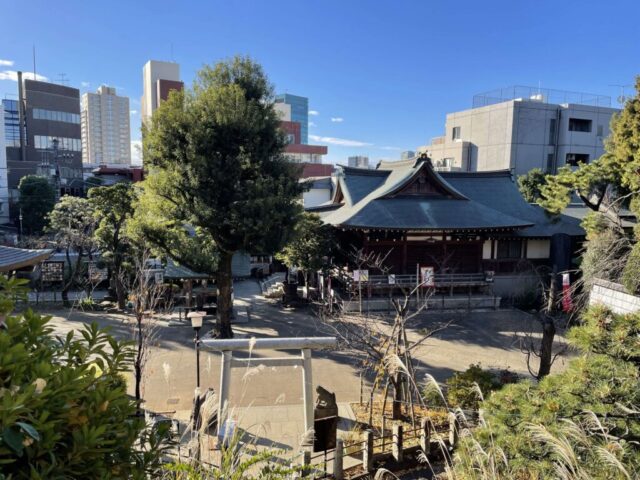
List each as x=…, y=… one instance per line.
x=106, y=133
x=521, y=128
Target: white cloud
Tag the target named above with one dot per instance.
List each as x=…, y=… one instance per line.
x=136, y=152
x=337, y=119
x=13, y=76
x=6, y=63
x=395, y=149
x=85, y=84
x=314, y=112
x=133, y=112
x=339, y=141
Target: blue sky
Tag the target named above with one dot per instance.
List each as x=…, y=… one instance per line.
x=380, y=74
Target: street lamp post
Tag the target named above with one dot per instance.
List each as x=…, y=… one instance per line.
x=20, y=217
x=196, y=322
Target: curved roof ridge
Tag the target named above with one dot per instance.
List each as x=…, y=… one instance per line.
x=393, y=164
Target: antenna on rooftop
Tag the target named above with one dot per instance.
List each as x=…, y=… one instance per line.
x=622, y=98
x=63, y=79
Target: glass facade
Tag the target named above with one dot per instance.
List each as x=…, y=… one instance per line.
x=56, y=116
x=11, y=123
x=44, y=142
x=299, y=113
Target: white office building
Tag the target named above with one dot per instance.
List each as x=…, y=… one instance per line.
x=4, y=185
x=358, y=161
x=158, y=79
x=521, y=128
x=106, y=133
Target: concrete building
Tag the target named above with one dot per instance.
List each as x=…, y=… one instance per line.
x=358, y=161
x=4, y=189
x=158, y=79
x=299, y=152
x=521, y=128
x=106, y=132
x=299, y=113
x=44, y=135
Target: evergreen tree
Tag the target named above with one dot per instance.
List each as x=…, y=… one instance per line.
x=216, y=154
x=36, y=199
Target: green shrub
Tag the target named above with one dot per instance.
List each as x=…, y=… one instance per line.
x=631, y=272
x=64, y=409
x=462, y=387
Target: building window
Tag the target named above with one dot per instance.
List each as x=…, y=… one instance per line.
x=456, y=135
x=509, y=249
x=600, y=130
x=55, y=116
x=43, y=142
x=552, y=132
x=575, y=158
x=579, y=125
x=549, y=162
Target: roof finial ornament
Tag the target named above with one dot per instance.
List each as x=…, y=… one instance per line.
x=424, y=157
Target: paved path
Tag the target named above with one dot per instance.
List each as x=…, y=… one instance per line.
x=273, y=396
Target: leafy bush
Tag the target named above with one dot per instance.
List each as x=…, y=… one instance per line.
x=65, y=412
x=581, y=423
x=463, y=387
x=631, y=272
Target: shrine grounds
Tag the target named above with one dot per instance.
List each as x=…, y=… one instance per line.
x=270, y=399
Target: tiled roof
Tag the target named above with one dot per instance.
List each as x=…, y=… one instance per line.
x=371, y=199
x=16, y=258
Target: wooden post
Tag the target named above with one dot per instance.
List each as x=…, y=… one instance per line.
x=367, y=451
x=397, y=450
x=454, y=427
x=425, y=436
x=338, y=472
x=306, y=462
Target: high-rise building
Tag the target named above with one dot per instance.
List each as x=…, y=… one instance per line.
x=158, y=79
x=299, y=112
x=521, y=128
x=407, y=155
x=4, y=190
x=358, y=161
x=44, y=135
x=106, y=134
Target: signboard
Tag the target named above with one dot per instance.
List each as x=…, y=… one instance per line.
x=52, y=271
x=427, y=277
x=567, y=304
x=96, y=274
x=392, y=279
x=361, y=275
x=159, y=277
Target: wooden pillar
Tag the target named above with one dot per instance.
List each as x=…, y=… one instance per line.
x=396, y=446
x=225, y=379
x=404, y=253
x=454, y=427
x=338, y=472
x=307, y=389
x=425, y=436
x=367, y=451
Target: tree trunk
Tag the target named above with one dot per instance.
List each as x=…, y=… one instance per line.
x=138, y=362
x=118, y=282
x=225, y=284
x=546, y=347
x=548, y=328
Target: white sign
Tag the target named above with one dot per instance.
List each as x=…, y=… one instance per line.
x=361, y=275
x=392, y=279
x=427, y=277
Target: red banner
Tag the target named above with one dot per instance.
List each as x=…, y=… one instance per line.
x=567, y=304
